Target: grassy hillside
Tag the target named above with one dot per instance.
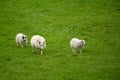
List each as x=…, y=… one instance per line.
x=96, y=21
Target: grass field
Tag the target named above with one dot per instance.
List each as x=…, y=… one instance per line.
x=96, y=21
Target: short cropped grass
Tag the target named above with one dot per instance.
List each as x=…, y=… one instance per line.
x=96, y=21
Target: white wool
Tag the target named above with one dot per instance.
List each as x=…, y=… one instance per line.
x=21, y=39
x=38, y=43
x=76, y=44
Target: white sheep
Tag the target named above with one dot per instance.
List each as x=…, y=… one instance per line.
x=76, y=44
x=38, y=43
x=21, y=39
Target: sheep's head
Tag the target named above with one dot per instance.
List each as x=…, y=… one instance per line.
x=83, y=42
x=41, y=45
x=24, y=38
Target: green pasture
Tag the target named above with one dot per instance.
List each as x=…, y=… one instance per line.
x=58, y=21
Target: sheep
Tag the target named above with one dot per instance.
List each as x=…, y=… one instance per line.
x=21, y=39
x=38, y=42
x=76, y=44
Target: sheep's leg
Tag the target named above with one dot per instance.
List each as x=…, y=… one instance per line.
x=74, y=50
x=32, y=49
x=22, y=46
x=38, y=50
x=80, y=51
x=41, y=52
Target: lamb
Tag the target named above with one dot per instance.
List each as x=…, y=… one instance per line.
x=21, y=39
x=38, y=43
x=76, y=44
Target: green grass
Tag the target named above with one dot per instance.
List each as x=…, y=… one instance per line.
x=96, y=21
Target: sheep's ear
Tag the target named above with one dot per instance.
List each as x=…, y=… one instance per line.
x=23, y=37
x=83, y=41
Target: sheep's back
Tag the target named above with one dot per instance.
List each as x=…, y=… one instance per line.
x=19, y=38
x=75, y=43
